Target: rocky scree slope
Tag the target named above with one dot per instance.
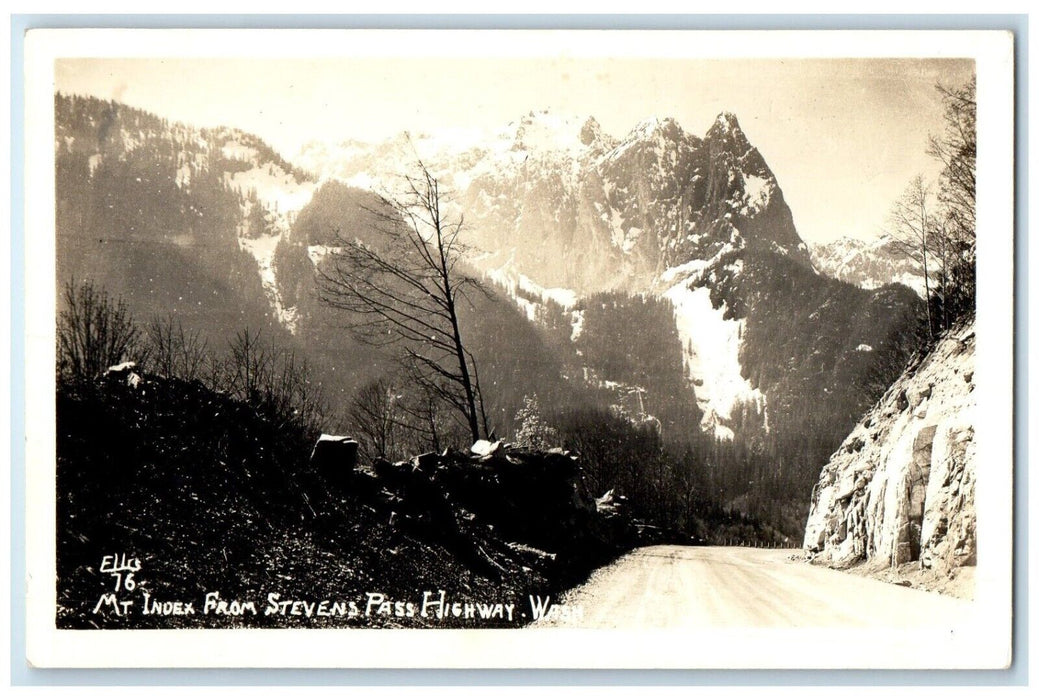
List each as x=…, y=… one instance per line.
x=901, y=486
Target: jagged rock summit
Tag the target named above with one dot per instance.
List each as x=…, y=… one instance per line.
x=557, y=195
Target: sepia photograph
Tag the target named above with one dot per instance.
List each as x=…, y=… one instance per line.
x=534, y=342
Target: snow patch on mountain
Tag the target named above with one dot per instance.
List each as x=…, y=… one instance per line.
x=693, y=271
x=757, y=191
x=262, y=249
x=576, y=324
x=363, y=181
x=277, y=189
x=317, y=253
x=531, y=297
x=711, y=350
x=281, y=197
x=566, y=298
x=513, y=281
x=528, y=307
x=232, y=150
x=622, y=236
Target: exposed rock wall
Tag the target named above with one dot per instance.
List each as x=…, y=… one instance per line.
x=901, y=486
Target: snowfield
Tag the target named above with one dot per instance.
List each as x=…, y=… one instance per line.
x=262, y=249
x=513, y=282
x=758, y=190
x=711, y=350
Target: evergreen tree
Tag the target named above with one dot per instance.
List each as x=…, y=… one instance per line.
x=534, y=433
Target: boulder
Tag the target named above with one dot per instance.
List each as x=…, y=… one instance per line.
x=485, y=448
x=125, y=372
x=607, y=503
x=917, y=394
x=425, y=463
x=334, y=458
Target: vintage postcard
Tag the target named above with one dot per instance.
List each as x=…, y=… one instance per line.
x=470, y=349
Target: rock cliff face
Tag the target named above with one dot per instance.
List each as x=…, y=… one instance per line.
x=901, y=486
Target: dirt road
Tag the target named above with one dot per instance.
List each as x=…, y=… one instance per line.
x=673, y=586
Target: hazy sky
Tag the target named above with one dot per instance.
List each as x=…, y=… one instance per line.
x=843, y=136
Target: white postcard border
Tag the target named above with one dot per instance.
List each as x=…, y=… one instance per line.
x=982, y=642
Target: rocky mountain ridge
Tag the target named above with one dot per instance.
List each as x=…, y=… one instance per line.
x=867, y=264
x=130, y=181
x=558, y=210
x=575, y=208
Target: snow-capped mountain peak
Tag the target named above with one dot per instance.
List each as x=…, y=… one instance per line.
x=651, y=126
x=726, y=122
x=726, y=129
x=546, y=132
x=579, y=229
x=868, y=264
x=660, y=211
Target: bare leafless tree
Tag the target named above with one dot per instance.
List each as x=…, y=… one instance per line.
x=934, y=225
x=956, y=148
x=174, y=351
x=374, y=416
x=272, y=378
x=942, y=249
x=910, y=229
x=249, y=366
x=422, y=421
x=94, y=332
x=402, y=287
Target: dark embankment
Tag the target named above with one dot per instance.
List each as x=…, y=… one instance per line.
x=210, y=500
